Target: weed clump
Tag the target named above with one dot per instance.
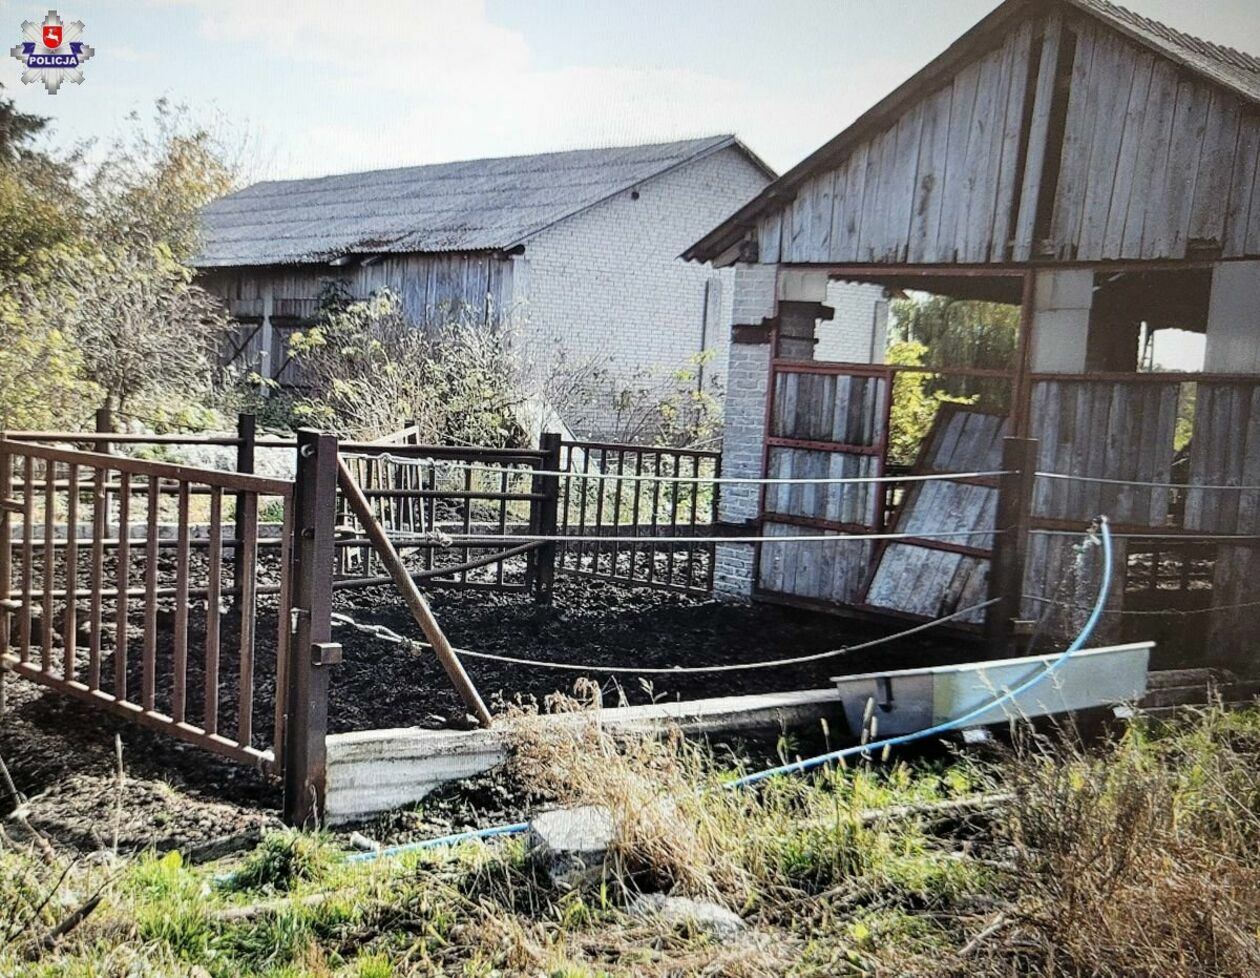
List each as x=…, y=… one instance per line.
x=282, y=861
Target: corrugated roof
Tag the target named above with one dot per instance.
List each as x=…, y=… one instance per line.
x=475, y=205
x=1226, y=66
x=1234, y=70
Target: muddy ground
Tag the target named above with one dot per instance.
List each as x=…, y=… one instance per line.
x=61, y=754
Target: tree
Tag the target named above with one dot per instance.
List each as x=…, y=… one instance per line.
x=914, y=404
x=142, y=327
x=17, y=129
x=96, y=302
x=960, y=333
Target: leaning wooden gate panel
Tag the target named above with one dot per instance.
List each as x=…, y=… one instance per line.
x=134, y=586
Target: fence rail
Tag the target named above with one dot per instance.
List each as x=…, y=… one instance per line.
x=631, y=490
x=104, y=618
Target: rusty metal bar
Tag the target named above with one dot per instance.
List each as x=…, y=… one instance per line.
x=28, y=550
x=70, y=627
x=123, y=580
x=163, y=470
x=179, y=693
x=50, y=522
x=100, y=517
x=312, y=652
x=6, y=562
x=214, y=598
x=411, y=594
x=148, y=662
x=247, y=568
x=284, y=629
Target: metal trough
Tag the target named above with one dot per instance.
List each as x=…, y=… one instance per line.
x=908, y=700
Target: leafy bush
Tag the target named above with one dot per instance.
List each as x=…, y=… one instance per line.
x=373, y=372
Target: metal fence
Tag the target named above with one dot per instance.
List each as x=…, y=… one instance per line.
x=619, y=491
x=110, y=596
x=451, y=513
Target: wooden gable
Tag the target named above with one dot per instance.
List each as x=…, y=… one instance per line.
x=1059, y=138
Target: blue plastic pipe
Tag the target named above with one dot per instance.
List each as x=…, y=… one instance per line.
x=796, y=767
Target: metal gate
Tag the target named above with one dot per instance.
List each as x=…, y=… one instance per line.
x=133, y=586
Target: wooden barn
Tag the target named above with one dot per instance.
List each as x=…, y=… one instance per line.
x=580, y=249
x=1100, y=172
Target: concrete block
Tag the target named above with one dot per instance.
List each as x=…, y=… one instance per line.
x=571, y=844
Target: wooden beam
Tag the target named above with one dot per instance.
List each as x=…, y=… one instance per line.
x=416, y=603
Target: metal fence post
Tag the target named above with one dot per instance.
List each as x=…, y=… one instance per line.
x=6, y=557
x=246, y=432
x=1010, y=544
x=542, y=562
x=312, y=650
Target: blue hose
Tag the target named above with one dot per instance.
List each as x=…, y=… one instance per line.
x=958, y=722
x=809, y=763
x=443, y=840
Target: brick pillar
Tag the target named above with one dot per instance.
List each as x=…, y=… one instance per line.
x=747, y=378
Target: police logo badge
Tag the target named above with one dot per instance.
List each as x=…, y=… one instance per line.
x=52, y=52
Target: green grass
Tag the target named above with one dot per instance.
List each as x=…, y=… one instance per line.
x=1131, y=859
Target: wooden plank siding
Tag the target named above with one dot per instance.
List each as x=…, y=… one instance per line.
x=427, y=284
x=1153, y=163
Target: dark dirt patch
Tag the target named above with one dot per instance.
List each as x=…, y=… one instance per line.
x=382, y=685
x=61, y=753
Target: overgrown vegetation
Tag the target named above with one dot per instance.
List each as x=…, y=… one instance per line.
x=97, y=304
x=939, y=332
x=1135, y=858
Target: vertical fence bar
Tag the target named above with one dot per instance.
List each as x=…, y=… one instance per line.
x=634, y=515
x=246, y=435
x=123, y=578
x=6, y=560
x=247, y=581
x=656, y=514
x=543, y=559
x=148, y=664
x=691, y=520
x=1006, y=571
x=28, y=557
x=214, y=598
x=179, y=692
x=503, y=512
x=715, y=501
x=674, y=488
x=70, y=625
x=312, y=651
x=50, y=523
x=284, y=631
x=567, y=467
x=100, y=527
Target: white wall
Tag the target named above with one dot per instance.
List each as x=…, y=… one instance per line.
x=858, y=332
x=607, y=286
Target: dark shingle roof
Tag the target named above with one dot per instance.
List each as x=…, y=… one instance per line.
x=476, y=205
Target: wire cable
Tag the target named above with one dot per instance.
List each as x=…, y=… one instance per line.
x=685, y=479
x=1142, y=485
x=838, y=535
x=389, y=635
x=970, y=716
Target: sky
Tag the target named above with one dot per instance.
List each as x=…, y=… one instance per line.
x=307, y=88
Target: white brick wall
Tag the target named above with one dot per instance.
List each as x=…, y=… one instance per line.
x=748, y=376
x=858, y=332
x=607, y=286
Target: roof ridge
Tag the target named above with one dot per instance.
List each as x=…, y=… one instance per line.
x=715, y=138
x=1236, y=57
